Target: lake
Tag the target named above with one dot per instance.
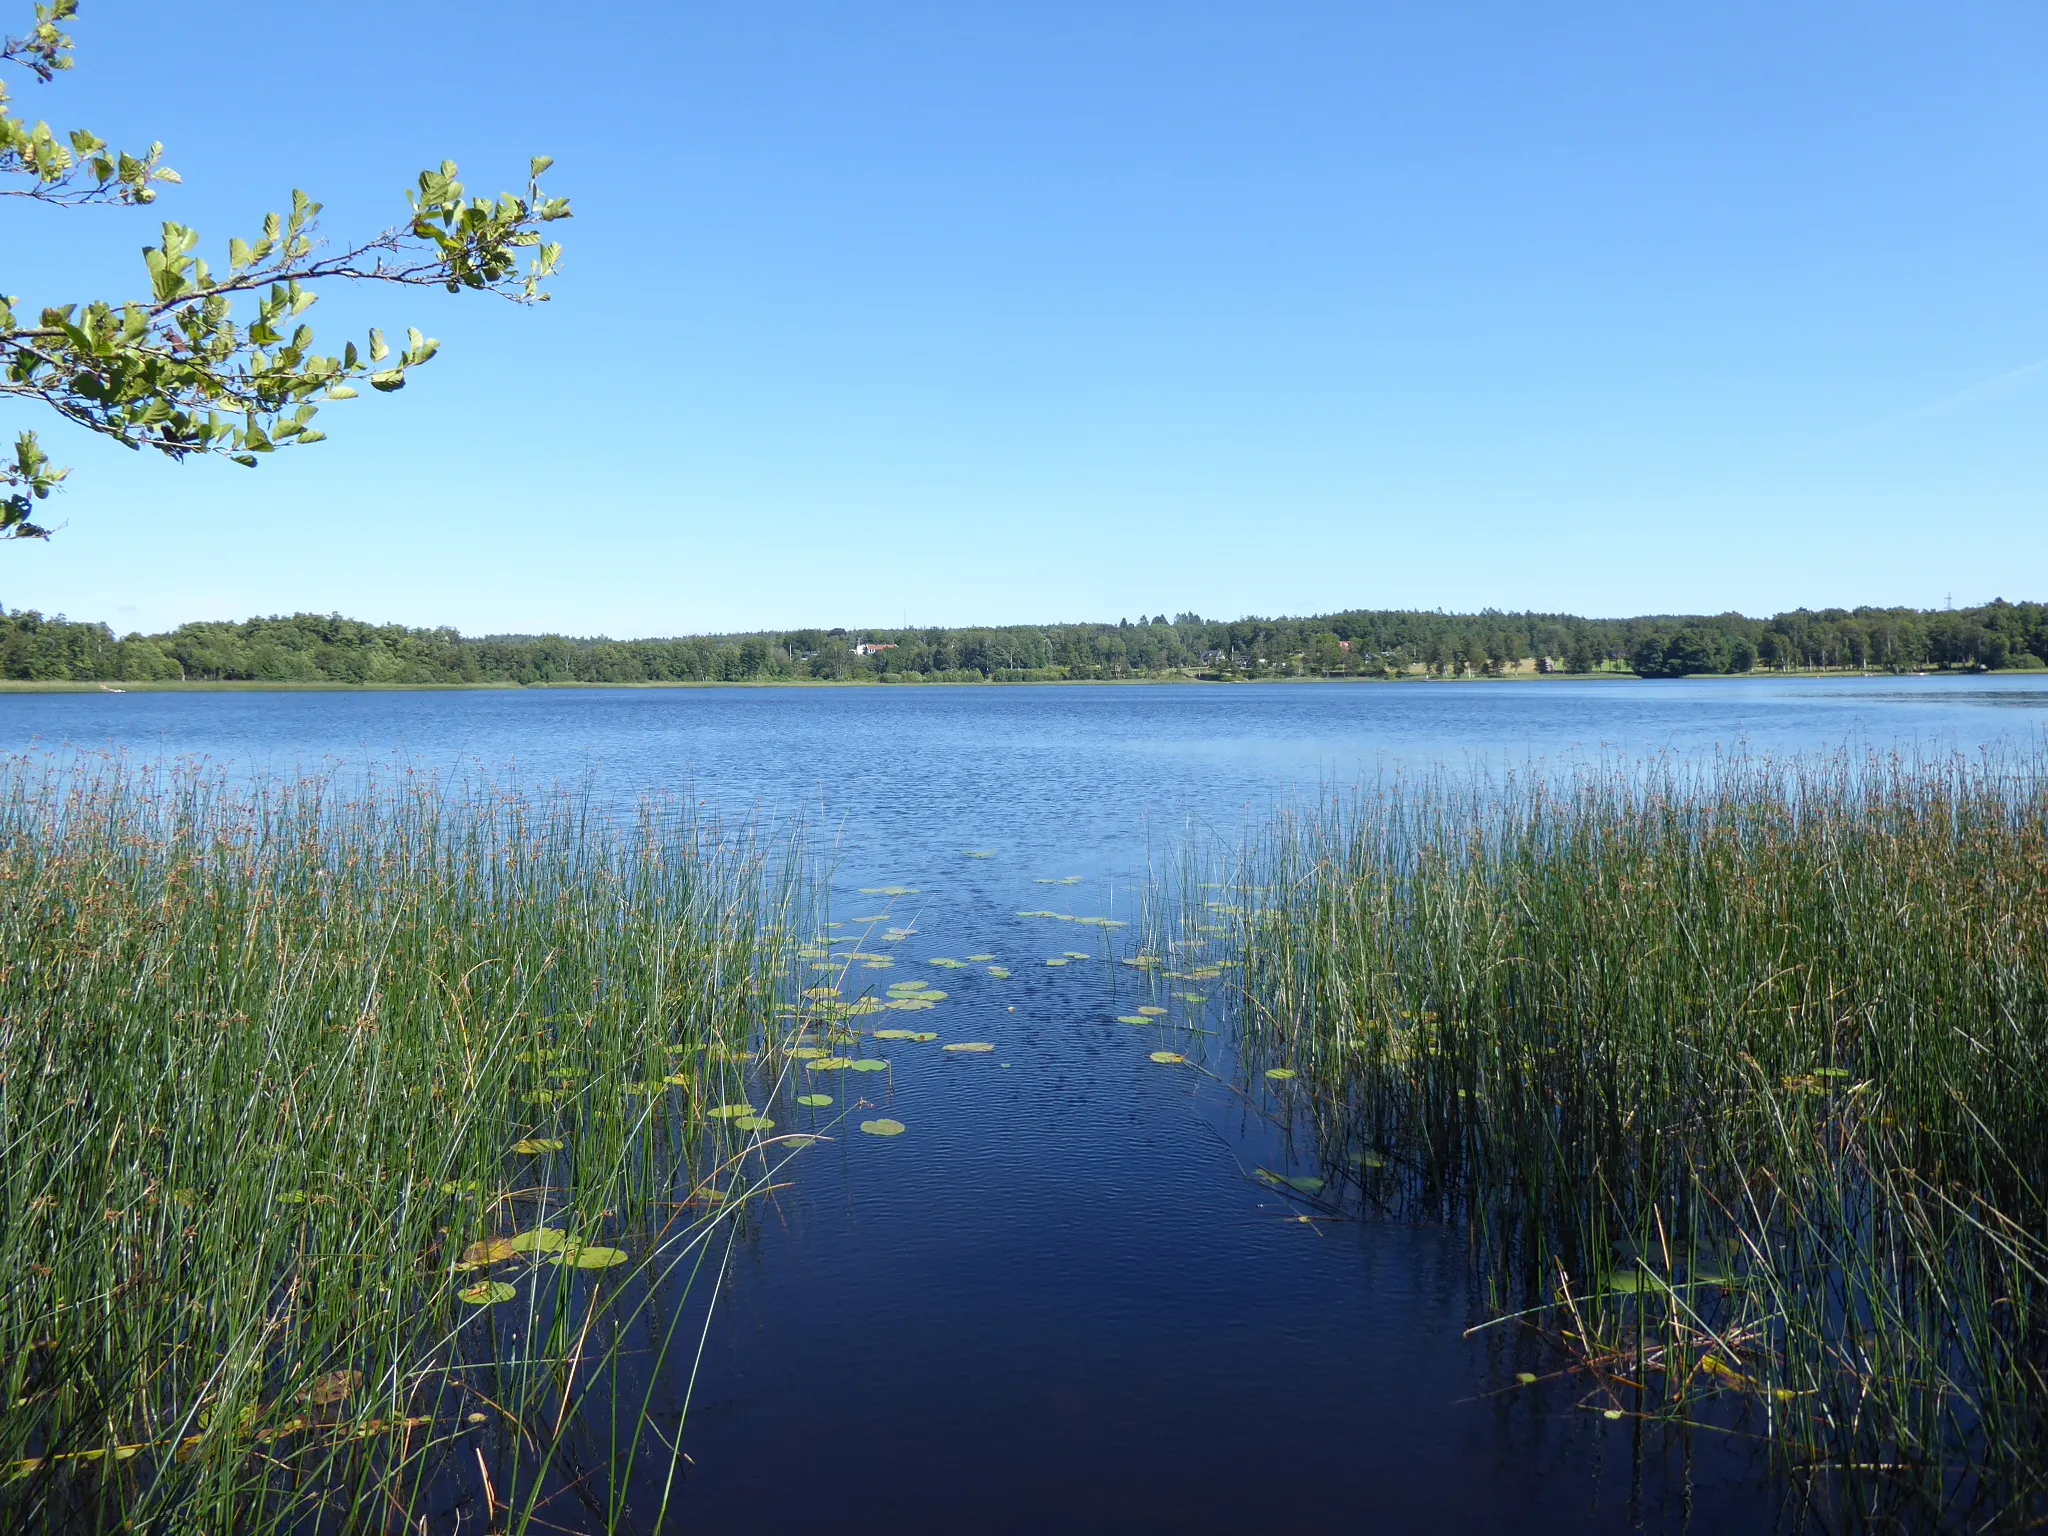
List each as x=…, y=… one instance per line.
x=1061, y=1300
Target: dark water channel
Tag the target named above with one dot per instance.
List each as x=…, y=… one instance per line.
x=1059, y=1301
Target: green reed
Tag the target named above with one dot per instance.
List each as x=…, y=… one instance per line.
x=1737, y=1073
x=265, y=1054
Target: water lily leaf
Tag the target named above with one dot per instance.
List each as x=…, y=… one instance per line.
x=999, y=973
x=895, y=1034
x=1168, y=1058
x=814, y=1100
x=1191, y=997
x=591, y=1256
x=911, y=1004
x=809, y=1053
x=883, y=1127
x=969, y=1047
x=1281, y=1074
x=448, y=1187
x=729, y=1111
x=1132, y=1018
x=487, y=1293
x=491, y=1250
x=921, y=1037
x=1308, y=1184
x=1151, y=1012
x=889, y=890
x=1631, y=1282
x=978, y=853
x=876, y=965
x=540, y=1240
x=949, y=965
x=904, y=988
x=1075, y=954
x=800, y=1141
x=830, y=1064
x=533, y=1145
x=1056, y=962
x=814, y=993
x=868, y=1064
x=1526, y=1378
x=753, y=1123
x=980, y=959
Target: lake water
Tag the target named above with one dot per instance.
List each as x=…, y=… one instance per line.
x=1059, y=1301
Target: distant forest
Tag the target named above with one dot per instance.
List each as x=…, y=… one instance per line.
x=312, y=648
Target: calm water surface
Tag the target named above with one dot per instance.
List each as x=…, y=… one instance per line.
x=1059, y=1302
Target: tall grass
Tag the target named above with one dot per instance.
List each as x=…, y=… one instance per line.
x=1738, y=1073
x=278, y=1063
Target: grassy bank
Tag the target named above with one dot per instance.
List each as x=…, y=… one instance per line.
x=1738, y=1077
x=355, y=1142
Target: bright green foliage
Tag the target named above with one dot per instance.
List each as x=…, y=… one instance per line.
x=175, y=371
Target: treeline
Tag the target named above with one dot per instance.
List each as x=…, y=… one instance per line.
x=312, y=648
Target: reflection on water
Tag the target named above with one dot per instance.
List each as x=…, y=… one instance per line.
x=1075, y=1292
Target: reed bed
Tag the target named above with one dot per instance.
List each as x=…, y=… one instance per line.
x=1737, y=1072
x=358, y=1158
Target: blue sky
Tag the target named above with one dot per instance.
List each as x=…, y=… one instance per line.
x=1012, y=313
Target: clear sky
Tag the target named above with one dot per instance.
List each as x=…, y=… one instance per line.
x=1022, y=312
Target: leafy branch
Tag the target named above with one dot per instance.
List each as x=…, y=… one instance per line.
x=176, y=372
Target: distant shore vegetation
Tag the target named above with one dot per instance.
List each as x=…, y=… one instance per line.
x=329, y=649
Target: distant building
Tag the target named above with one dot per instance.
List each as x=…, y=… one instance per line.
x=871, y=650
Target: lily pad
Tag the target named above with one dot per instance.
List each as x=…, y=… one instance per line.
x=1308, y=1184
x=814, y=1100
x=921, y=1037
x=490, y=1250
x=754, y=1123
x=1075, y=954
x=830, y=1064
x=486, y=1293
x=894, y=1034
x=1151, y=1012
x=980, y=959
x=912, y=1004
x=949, y=965
x=590, y=1256
x=799, y=1142
x=1281, y=1074
x=978, y=853
x=999, y=973
x=1132, y=1018
x=969, y=1047
x=890, y=890
x=868, y=1064
x=809, y=1053
x=540, y=1240
x=882, y=1127
x=1168, y=1058
x=729, y=1111
x=1056, y=962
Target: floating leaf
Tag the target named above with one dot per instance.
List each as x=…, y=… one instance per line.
x=969, y=1047
x=486, y=1293
x=809, y=1053
x=1056, y=962
x=1151, y=1012
x=921, y=1037
x=1526, y=1378
x=830, y=1064
x=677, y=1080
x=536, y=1144
x=729, y=1111
x=949, y=965
x=889, y=890
x=1168, y=1058
x=1308, y=1184
x=868, y=1064
x=799, y=1142
x=980, y=959
x=877, y=965
x=1075, y=954
x=754, y=1123
x=978, y=853
x=999, y=973
x=491, y=1250
x=1631, y=1282
x=1281, y=1074
x=334, y=1387
x=814, y=993
x=449, y=1187
x=1610, y=1413
x=882, y=1127
x=540, y=1240
x=814, y=1100
x=911, y=1004
x=591, y=1256
x=1191, y=997
x=1132, y=1018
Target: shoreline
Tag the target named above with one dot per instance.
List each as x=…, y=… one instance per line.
x=29, y=686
